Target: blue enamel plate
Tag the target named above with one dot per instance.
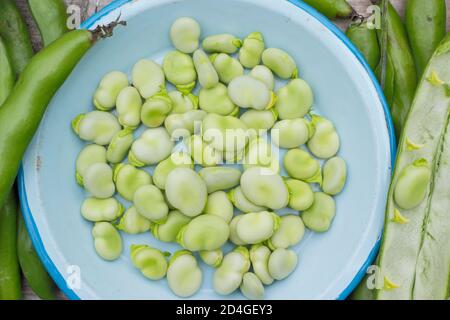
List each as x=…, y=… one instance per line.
x=330, y=264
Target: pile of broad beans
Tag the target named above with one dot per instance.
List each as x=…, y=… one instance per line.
x=192, y=148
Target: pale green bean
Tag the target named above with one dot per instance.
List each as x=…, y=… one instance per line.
x=97, y=210
x=212, y=258
x=227, y=67
x=334, y=176
x=292, y=133
x=319, y=216
x=132, y=222
x=207, y=75
x=180, y=71
x=290, y=233
x=90, y=155
x=96, y=126
x=282, y=263
x=185, y=34
x=148, y=77
x=264, y=74
x=259, y=256
x=224, y=43
x=259, y=120
x=216, y=100
x=251, y=287
x=256, y=227
x=280, y=62
x=325, y=142
x=150, y=261
x=155, y=109
x=128, y=179
x=299, y=164
x=203, y=153
x=177, y=159
x=150, y=203
x=252, y=48
x=182, y=103
x=109, y=88
x=153, y=146
x=98, y=181
x=220, y=178
x=234, y=238
x=107, y=241
x=294, y=100
x=228, y=277
x=301, y=195
x=169, y=230
x=219, y=205
x=239, y=200
x=248, y=92
x=183, y=274
x=185, y=124
x=119, y=146
x=128, y=106
x=260, y=154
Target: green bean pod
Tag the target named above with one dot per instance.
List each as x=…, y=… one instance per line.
x=10, y=285
x=14, y=32
x=50, y=17
x=7, y=77
x=366, y=40
x=332, y=8
x=32, y=268
x=425, y=24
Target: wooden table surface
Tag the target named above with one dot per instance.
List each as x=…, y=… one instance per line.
x=88, y=7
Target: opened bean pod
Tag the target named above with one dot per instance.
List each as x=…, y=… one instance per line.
x=319, y=216
x=153, y=146
x=252, y=287
x=90, y=155
x=107, y=241
x=294, y=100
x=216, y=100
x=334, y=176
x=220, y=178
x=207, y=74
x=264, y=74
x=256, y=227
x=169, y=229
x=183, y=274
x=212, y=258
x=280, y=62
x=119, y=146
x=155, y=109
x=299, y=164
x=109, y=88
x=226, y=66
x=219, y=205
x=128, y=106
x=97, y=210
x=185, y=34
x=239, y=200
x=148, y=78
x=282, y=262
x=128, y=179
x=293, y=133
x=132, y=222
x=225, y=43
x=289, y=233
x=228, y=277
x=325, y=141
x=248, y=92
x=180, y=71
x=150, y=261
x=259, y=256
x=252, y=48
x=96, y=126
x=150, y=203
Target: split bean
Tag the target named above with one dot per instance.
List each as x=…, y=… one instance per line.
x=299, y=164
x=264, y=74
x=180, y=71
x=301, y=196
x=259, y=256
x=128, y=106
x=216, y=100
x=290, y=233
x=185, y=124
x=259, y=154
x=109, y=88
x=259, y=120
x=128, y=179
x=98, y=181
x=202, y=153
x=248, y=92
x=169, y=230
x=205, y=232
x=325, y=141
x=119, y=146
x=252, y=48
x=264, y=188
x=212, y=258
x=207, y=75
x=153, y=146
x=228, y=277
x=293, y=133
x=149, y=202
x=224, y=133
x=150, y=261
x=183, y=274
x=96, y=126
x=186, y=191
x=282, y=263
x=256, y=227
x=97, y=210
x=90, y=155
x=227, y=67
x=334, y=176
x=222, y=43
x=294, y=100
x=155, y=109
x=219, y=205
x=234, y=238
x=177, y=159
x=251, y=287
x=182, y=103
x=185, y=34
x=132, y=222
x=280, y=62
x=107, y=241
x=239, y=200
x=148, y=77
x=412, y=184
x=319, y=216
x=220, y=178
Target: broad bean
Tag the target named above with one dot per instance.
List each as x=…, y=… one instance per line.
x=264, y=74
x=248, y=92
x=128, y=106
x=148, y=77
x=220, y=178
x=259, y=120
x=294, y=100
x=334, y=176
x=251, y=287
x=259, y=154
x=183, y=274
x=252, y=48
x=98, y=181
x=186, y=191
x=90, y=155
x=149, y=202
x=109, y=88
x=259, y=256
x=221, y=43
x=107, y=241
x=153, y=146
x=226, y=66
x=264, y=188
x=299, y=164
x=280, y=62
x=206, y=232
x=132, y=222
x=182, y=103
x=325, y=141
x=203, y=153
x=128, y=179
x=224, y=133
x=119, y=146
x=234, y=238
x=155, y=109
x=180, y=71
x=319, y=216
x=219, y=205
x=212, y=258
x=216, y=100
x=412, y=184
x=177, y=159
x=301, y=196
x=185, y=34
x=228, y=277
x=207, y=75
x=293, y=133
x=282, y=262
x=169, y=230
x=239, y=200
x=96, y=126
x=150, y=261
x=256, y=227
x=290, y=233
x=97, y=210
x=185, y=124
